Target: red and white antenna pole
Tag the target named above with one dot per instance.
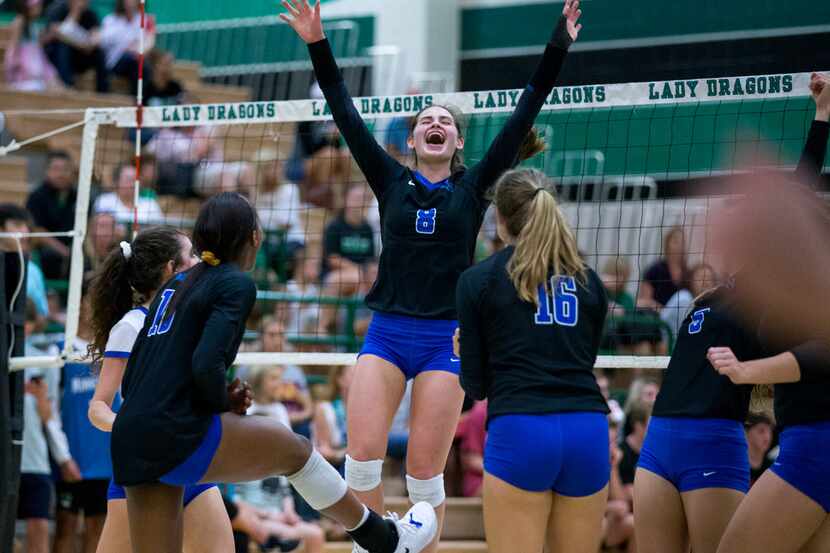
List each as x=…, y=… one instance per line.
x=139, y=115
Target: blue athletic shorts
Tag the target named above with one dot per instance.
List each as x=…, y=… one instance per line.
x=563, y=452
x=190, y=492
x=34, y=497
x=697, y=453
x=803, y=461
x=193, y=469
x=411, y=344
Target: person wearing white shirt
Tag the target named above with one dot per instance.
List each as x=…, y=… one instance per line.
x=121, y=202
x=120, y=37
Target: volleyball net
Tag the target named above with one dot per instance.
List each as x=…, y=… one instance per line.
x=631, y=164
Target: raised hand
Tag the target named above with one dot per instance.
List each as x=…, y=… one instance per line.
x=820, y=91
x=304, y=19
x=572, y=14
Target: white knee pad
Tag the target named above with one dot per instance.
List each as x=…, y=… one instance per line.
x=319, y=483
x=363, y=476
x=431, y=490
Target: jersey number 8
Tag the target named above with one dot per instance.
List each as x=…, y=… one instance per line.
x=425, y=221
x=160, y=325
x=564, y=309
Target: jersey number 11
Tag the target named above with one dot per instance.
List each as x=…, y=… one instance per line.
x=563, y=307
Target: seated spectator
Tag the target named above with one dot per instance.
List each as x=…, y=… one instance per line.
x=277, y=202
x=618, y=524
x=348, y=247
x=328, y=428
x=631, y=445
x=642, y=390
x=121, y=202
x=39, y=410
x=14, y=218
x=293, y=387
x=319, y=161
x=73, y=42
x=120, y=38
x=616, y=275
x=272, y=530
x=52, y=206
x=82, y=492
x=759, y=429
x=191, y=163
x=303, y=318
x=701, y=278
x=472, y=434
x=26, y=64
x=617, y=415
x=667, y=275
x=161, y=89
x=103, y=232
x=363, y=315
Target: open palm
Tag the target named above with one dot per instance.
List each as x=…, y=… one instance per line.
x=304, y=19
x=572, y=14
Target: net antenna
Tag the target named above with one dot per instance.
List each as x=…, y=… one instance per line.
x=638, y=133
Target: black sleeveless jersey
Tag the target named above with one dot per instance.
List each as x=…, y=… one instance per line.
x=428, y=232
x=176, y=376
x=524, y=358
x=691, y=386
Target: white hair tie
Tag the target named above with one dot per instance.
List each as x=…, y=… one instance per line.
x=126, y=250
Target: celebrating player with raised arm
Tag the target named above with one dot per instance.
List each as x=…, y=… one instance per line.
x=430, y=217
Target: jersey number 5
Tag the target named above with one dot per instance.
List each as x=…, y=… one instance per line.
x=160, y=326
x=696, y=324
x=425, y=221
x=564, y=309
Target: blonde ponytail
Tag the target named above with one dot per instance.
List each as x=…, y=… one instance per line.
x=544, y=240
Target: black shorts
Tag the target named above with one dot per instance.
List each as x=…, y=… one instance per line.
x=34, y=497
x=89, y=496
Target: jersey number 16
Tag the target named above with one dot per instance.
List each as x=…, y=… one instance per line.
x=563, y=308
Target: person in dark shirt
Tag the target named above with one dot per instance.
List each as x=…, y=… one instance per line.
x=430, y=220
x=162, y=89
x=181, y=424
x=348, y=246
x=759, y=430
x=52, y=206
x=694, y=468
x=75, y=46
x=668, y=275
x=531, y=320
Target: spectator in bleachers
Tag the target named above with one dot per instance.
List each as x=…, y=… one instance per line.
x=39, y=410
x=631, y=445
x=293, y=387
x=472, y=434
x=348, y=247
x=161, y=89
x=103, y=232
x=120, y=36
x=328, y=428
x=52, y=206
x=74, y=42
x=319, y=161
x=667, y=275
x=616, y=275
x=398, y=442
x=26, y=64
x=191, y=162
x=121, y=202
x=759, y=430
x=14, y=218
x=642, y=390
x=617, y=415
x=278, y=202
x=618, y=524
x=83, y=492
x=701, y=278
x=303, y=318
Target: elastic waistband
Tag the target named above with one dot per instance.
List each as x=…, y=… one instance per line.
x=727, y=427
x=822, y=427
x=414, y=324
